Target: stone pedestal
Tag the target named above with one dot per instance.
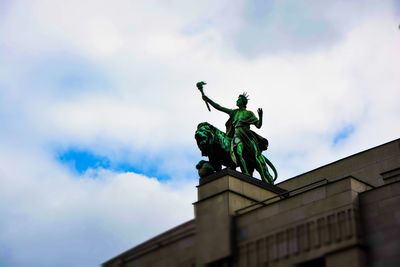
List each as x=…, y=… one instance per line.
x=219, y=197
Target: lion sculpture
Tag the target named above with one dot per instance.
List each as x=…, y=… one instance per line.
x=216, y=145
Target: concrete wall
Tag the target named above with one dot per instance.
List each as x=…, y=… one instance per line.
x=172, y=248
x=219, y=198
x=367, y=166
x=381, y=216
x=306, y=226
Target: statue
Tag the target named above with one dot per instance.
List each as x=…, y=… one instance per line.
x=239, y=146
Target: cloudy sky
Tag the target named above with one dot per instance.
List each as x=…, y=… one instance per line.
x=98, y=107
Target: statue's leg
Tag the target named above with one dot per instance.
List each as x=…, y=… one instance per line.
x=261, y=166
x=251, y=170
x=238, y=149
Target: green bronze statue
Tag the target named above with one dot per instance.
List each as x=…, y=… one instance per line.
x=239, y=146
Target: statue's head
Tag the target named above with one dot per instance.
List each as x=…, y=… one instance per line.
x=242, y=100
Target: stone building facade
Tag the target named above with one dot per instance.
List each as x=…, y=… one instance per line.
x=346, y=213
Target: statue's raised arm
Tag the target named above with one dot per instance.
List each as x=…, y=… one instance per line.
x=209, y=101
x=217, y=106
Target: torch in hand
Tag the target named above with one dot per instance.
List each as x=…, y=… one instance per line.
x=200, y=87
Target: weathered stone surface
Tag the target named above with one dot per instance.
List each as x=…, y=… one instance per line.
x=353, y=257
x=219, y=199
x=381, y=217
x=367, y=166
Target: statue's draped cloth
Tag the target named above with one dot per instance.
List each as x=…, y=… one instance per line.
x=238, y=126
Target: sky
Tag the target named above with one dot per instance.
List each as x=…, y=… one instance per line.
x=98, y=107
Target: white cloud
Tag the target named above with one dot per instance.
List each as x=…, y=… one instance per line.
x=143, y=59
x=51, y=218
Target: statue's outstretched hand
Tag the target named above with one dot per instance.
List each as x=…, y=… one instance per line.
x=260, y=112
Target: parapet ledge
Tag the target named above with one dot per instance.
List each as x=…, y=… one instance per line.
x=243, y=177
x=170, y=236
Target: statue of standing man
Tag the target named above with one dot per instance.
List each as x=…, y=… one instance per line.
x=246, y=146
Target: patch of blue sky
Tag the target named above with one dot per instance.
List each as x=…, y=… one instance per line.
x=81, y=160
x=5, y=5
x=397, y=6
x=65, y=74
x=284, y=26
x=343, y=134
x=258, y=9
